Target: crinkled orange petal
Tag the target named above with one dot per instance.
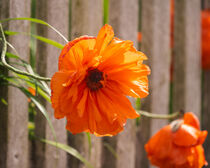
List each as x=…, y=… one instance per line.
x=104, y=37
x=106, y=107
x=121, y=102
x=137, y=89
x=202, y=137
x=72, y=54
x=120, y=56
x=186, y=136
x=201, y=161
x=105, y=126
x=75, y=127
x=179, y=155
x=192, y=120
x=159, y=146
x=57, y=81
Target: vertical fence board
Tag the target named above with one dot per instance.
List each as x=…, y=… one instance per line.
x=206, y=100
x=187, y=73
x=58, y=16
x=15, y=122
x=206, y=112
x=4, y=13
x=55, y=13
x=86, y=19
x=124, y=19
x=155, y=44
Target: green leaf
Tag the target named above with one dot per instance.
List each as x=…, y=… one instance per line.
x=29, y=19
x=35, y=85
x=46, y=40
x=10, y=55
x=40, y=107
x=69, y=150
x=111, y=149
x=41, y=38
x=4, y=101
x=10, y=33
x=89, y=143
x=35, y=21
x=138, y=104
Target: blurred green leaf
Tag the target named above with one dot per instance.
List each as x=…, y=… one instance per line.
x=35, y=21
x=40, y=107
x=89, y=143
x=10, y=55
x=43, y=39
x=111, y=149
x=29, y=19
x=4, y=101
x=69, y=150
x=35, y=86
x=138, y=104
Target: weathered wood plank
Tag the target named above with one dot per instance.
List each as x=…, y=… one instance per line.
x=14, y=118
x=55, y=13
x=155, y=44
x=205, y=100
x=4, y=13
x=206, y=112
x=206, y=4
x=124, y=19
x=187, y=72
x=86, y=19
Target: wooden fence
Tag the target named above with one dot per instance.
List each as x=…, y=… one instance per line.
x=74, y=18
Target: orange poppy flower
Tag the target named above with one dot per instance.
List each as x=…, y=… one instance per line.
x=178, y=145
x=205, y=39
x=95, y=76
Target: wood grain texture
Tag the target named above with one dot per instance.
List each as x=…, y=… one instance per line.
x=206, y=4
x=55, y=13
x=123, y=17
x=155, y=44
x=15, y=122
x=206, y=101
x=187, y=72
x=4, y=13
x=87, y=19
x=206, y=112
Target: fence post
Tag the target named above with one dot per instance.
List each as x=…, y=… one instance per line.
x=15, y=136
x=155, y=44
x=86, y=19
x=124, y=19
x=206, y=100
x=56, y=13
x=4, y=13
x=187, y=72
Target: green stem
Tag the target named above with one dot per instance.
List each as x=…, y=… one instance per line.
x=159, y=116
x=3, y=54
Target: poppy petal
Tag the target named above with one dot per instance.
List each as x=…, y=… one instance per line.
x=192, y=120
x=104, y=37
x=72, y=54
x=185, y=136
x=57, y=89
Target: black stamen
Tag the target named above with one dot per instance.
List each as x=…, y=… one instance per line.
x=93, y=78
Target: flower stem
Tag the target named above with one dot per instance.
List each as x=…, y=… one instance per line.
x=159, y=116
x=3, y=54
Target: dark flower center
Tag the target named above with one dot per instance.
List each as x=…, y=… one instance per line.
x=93, y=79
